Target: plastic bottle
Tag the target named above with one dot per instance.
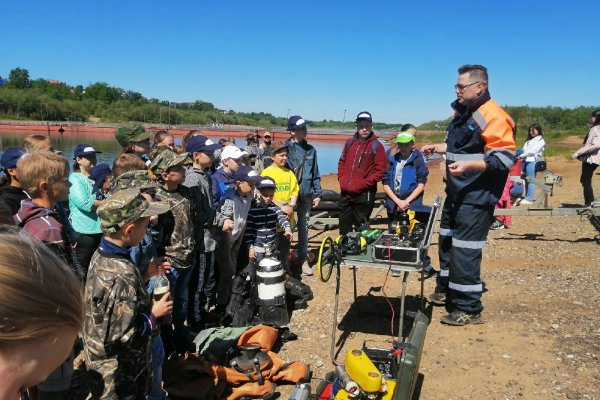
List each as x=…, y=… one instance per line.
x=161, y=286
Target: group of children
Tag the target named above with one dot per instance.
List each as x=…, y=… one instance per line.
x=169, y=213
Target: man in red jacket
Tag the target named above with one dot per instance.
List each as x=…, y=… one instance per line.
x=361, y=165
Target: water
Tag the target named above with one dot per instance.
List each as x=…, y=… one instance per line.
x=328, y=153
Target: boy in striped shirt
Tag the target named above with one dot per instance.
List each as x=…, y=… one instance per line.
x=265, y=220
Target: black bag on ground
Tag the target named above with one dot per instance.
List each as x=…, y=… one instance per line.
x=297, y=293
x=242, y=305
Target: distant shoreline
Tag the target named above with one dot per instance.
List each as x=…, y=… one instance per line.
x=107, y=130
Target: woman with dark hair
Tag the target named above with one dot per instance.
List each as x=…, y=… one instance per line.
x=589, y=157
x=83, y=205
x=533, y=150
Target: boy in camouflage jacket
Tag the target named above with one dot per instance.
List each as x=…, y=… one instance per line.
x=177, y=240
x=120, y=316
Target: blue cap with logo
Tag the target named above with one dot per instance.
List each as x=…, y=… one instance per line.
x=364, y=116
x=83, y=150
x=296, y=122
x=246, y=173
x=10, y=157
x=201, y=144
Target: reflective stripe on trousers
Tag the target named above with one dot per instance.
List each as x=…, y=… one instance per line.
x=463, y=232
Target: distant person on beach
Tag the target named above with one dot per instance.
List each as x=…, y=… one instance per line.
x=11, y=192
x=479, y=152
x=83, y=205
x=589, y=155
x=29, y=352
x=302, y=159
x=360, y=167
x=265, y=146
x=533, y=151
x=254, y=152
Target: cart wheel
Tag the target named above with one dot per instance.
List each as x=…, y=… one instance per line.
x=326, y=259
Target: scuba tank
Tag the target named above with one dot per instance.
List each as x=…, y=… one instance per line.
x=270, y=279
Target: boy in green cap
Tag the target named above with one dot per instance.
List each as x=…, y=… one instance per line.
x=120, y=317
x=177, y=242
x=133, y=138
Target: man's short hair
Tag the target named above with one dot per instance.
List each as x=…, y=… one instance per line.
x=479, y=72
x=40, y=166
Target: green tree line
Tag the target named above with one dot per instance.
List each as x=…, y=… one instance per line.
x=22, y=98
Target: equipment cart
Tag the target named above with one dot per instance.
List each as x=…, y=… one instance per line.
x=402, y=254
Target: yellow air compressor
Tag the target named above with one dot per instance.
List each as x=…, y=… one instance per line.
x=364, y=374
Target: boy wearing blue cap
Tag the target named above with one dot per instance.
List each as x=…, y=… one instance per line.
x=302, y=159
x=203, y=283
x=234, y=206
x=10, y=189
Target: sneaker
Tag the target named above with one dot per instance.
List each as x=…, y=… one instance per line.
x=526, y=202
x=437, y=298
x=306, y=269
x=460, y=318
x=497, y=225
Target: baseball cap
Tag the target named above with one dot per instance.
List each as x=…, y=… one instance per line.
x=275, y=147
x=201, y=144
x=10, y=157
x=82, y=150
x=167, y=159
x=126, y=206
x=296, y=122
x=131, y=133
x=98, y=174
x=232, y=151
x=246, y=173
x=266, y=182
x=364, y=116
x=267, y=134
x=405, y=137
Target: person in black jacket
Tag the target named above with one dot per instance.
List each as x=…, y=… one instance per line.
x=10, y=189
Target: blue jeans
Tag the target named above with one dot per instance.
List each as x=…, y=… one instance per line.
x=158, y=356
x=180, y=280
x=529, y=169
x=303, y=208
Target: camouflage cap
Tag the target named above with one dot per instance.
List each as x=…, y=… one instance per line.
x=167, y=159
x=138, y=179
x=126, y=206
x=131, y=133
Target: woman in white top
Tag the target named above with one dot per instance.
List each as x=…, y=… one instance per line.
x=533, y=150
x=589, y=155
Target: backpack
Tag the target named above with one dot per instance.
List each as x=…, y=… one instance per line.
x=353, y=139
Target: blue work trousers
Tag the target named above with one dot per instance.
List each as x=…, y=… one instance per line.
x=463, y=232
x=303, y=208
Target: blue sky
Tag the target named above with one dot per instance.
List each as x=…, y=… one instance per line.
x=396, y=59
